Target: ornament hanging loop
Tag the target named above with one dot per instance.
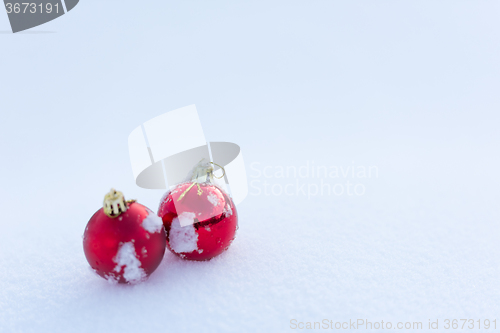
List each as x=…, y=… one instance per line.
x=223, y=171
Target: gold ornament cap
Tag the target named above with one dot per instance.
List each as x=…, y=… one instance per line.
x=114, y=203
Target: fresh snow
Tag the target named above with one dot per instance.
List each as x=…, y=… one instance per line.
x=408, y=86
x=186, y=218
x=228, y=211
x=183, y=239
x=126, y=258
x=152, y=223
x=213, y=199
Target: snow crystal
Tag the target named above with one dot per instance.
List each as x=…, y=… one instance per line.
x=126, y=258
x=182, y=238
x=213, y=199
x=152, y=223
x=228, y=211
x=164, y=196
x=111, y=278
x=186, y=218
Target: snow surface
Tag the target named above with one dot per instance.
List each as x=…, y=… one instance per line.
x=408, y=86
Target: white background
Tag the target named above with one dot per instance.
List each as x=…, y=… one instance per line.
x=411, y=87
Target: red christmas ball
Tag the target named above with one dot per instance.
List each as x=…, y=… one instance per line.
x=124, y=241
x=200, y=220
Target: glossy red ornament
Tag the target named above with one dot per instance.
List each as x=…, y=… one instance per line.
x=200, y=220
x=125, y=248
